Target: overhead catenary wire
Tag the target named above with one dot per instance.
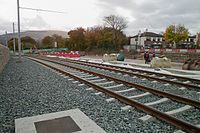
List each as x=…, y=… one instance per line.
x=43, y=10
x=18, y=17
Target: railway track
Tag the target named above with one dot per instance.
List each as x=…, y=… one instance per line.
x=143, y=74
x=120, y=87
x=181, y=87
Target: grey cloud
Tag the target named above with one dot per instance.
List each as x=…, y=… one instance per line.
x=156, y=15
x=5, y=26
x=36, y=23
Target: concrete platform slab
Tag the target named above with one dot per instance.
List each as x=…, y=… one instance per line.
x=70, y=121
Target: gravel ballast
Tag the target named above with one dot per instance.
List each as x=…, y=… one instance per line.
x=29, y=89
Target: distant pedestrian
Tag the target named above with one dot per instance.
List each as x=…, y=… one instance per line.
x=146, y=57
x=154, y=55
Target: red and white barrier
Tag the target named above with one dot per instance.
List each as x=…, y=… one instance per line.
x=71, y=55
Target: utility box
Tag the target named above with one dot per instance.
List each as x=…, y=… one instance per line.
x=120, y=57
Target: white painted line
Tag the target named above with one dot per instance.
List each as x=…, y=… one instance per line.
x=136, y=96
x=126, y=90
x=86, y=75
x=76, y=72
x=75, y=82
x=98, y=93
x=110, y=99
x=105, y=83
x=157, y=102
x=72, y=71
x=182, y=88
x=126, y=107
x=114, y=86
x=97, y=80
x=186, y=82
x=186, y=107
x=166, y=84
x=81, y=84
x=141, y=95
x=149, y=117
x=91, y=78
x=162, y=77
x=81, y=72
x=173, y=79
x=89, y=89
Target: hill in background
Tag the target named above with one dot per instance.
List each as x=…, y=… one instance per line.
x=37, y=35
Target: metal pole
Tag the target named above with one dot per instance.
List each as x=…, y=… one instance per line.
x=14, y=38
x=6, y=40
x=19, y=41
x=196, y=42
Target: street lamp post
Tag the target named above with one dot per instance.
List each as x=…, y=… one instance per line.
x=19, y=40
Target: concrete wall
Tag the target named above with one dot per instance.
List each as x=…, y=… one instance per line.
x=4, y=56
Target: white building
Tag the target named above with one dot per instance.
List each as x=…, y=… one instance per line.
x=152, y=40
x=147, y=40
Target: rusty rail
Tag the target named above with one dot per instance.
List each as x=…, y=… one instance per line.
x=143, y=71
x=143, y=88
x=167, y=118
x=139, y=75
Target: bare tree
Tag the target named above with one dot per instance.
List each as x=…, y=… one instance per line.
x=117, y=23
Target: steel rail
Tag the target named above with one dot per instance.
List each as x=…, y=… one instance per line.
x=144, y=71
x=143, y=88
x=142, y=76
x=187, y=127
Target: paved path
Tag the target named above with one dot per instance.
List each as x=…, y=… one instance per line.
x=174, y=64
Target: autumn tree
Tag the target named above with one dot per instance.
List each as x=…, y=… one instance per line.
x=28, y=42
x=117, y=24
x=98, y=36
x=48, y=42
x=60, y=41
x=11, y=44
x=175, y=34
x=91, y=37
x=105, y=38
x=77, y=39
x=198, y=40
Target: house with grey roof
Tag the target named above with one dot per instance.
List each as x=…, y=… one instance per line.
x=151, y=40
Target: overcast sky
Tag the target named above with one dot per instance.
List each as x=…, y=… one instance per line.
x=155, y=15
